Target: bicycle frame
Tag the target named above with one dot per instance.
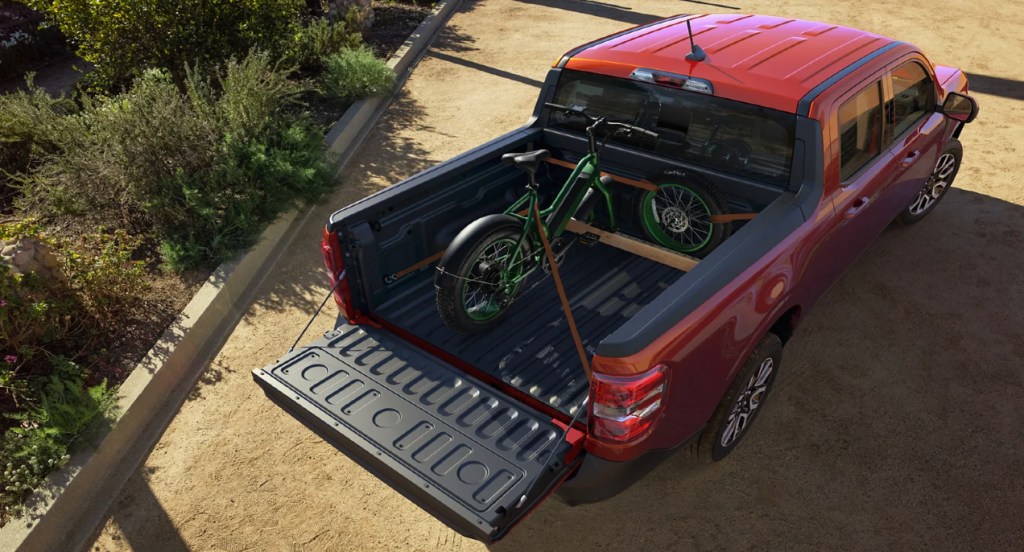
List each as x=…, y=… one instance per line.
x=556, y=216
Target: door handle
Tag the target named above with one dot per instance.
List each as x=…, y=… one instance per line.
x=858, y=206
x=910, y=158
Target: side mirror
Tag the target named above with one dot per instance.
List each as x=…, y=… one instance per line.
x=960, y=107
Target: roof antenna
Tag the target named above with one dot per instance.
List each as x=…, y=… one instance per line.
x=696, y=52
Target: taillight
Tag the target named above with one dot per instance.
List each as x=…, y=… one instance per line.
x=623, y=409
x=335, y=263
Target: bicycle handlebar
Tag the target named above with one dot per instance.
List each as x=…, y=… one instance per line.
x=577, y=111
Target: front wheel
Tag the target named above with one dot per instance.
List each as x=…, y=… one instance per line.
x=481, y=274
x=937, y=185
x=678, y=215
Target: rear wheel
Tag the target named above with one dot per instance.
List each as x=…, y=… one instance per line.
x=742, y=403
x=678, y=215
x=481, y=274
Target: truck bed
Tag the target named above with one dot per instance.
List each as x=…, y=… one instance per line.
x=532, y=350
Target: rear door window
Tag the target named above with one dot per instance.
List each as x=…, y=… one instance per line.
x=860, y=130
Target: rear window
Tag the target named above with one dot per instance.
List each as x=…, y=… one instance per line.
x=721, y=134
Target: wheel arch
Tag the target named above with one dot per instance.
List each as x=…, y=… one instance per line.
x=786, y=323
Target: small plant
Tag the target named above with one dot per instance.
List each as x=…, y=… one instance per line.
x=355, y=73
x=312, y=43
x=46, y=430
x=101, y=271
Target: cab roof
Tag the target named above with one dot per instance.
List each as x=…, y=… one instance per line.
x=757, y=59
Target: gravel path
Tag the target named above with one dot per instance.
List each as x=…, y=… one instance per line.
x=897, y=420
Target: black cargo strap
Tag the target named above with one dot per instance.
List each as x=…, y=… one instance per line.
x=318, y=309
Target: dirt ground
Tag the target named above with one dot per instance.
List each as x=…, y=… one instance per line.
x=897, y=422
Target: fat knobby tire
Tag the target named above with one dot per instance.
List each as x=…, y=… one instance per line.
x=456, y=264
x=700, y=187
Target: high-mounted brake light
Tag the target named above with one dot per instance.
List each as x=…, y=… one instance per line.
x=624, y=409
x=674, y=80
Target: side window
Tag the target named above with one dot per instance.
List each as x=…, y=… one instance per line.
x=913, y=97
x=860, y=130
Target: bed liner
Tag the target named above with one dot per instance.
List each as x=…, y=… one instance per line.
x=531, y=349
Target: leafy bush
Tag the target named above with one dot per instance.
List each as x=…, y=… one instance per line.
x=355, y=73
x=39, y=443
x=204, y=172
x=123, y=38
x=102, y=273
x=48, y=315
x=71, y=292
x=311, y=43
x=29, y=129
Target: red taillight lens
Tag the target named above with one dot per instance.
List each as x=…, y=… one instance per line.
x=335, y=264
x=623, y=409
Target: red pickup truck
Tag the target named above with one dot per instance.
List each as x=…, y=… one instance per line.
x=814, y=137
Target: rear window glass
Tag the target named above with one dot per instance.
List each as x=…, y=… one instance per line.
x=721, y=134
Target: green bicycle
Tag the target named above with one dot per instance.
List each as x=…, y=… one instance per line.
x=486, y=266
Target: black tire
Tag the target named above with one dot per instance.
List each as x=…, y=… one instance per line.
x=713, y=444
x=461, y=272
x=689, y=200
x=937, y=186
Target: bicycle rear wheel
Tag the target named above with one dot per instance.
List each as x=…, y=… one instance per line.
x=678, y=215
x=480, y=275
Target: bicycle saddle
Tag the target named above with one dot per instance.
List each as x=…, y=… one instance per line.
x=528, y=161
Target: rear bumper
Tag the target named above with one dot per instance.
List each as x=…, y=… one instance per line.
x=598, y=479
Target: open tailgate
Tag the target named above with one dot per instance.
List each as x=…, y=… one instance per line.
x=462, y=450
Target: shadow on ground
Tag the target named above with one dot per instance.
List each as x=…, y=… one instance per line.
x=997, y=86
x=599, y=9
x=157, y=533
x=895, y=420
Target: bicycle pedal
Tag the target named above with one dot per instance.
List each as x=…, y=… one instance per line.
x=589, y=239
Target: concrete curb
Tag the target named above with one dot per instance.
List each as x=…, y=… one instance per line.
x=68, y=510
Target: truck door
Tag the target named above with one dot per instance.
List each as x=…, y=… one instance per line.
x=858, y=171
x=914, y=130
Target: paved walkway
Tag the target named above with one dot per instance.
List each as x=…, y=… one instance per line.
x=896, y=423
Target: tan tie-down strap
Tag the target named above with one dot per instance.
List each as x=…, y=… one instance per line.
x=652, y=187
x=561, y=294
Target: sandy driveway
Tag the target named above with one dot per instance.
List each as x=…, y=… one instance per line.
x=898, y=422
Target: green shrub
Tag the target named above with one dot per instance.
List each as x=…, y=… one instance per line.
x=101, y=272
x=125, y=37
x=204, y=172
x=311, y=43
x=47, y=429
x=79, y=290
x=30, y=125
x=355, y=73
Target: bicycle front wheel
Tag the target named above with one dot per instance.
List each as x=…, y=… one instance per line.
x=481, y=274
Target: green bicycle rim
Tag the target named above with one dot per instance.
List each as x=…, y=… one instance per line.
x=663, y=237
x=490, y=308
